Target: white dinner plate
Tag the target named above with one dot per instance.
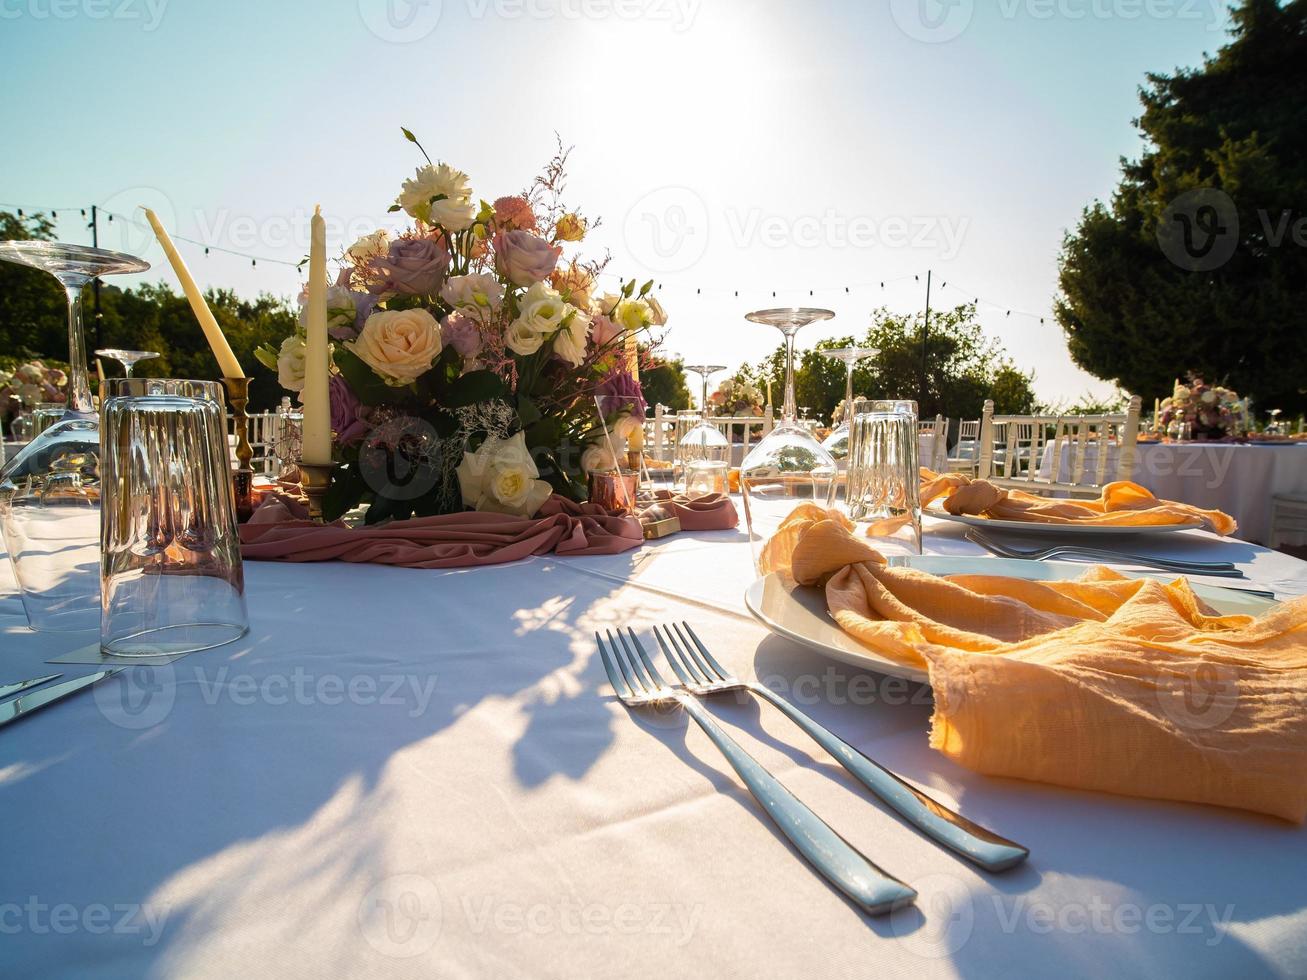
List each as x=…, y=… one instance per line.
x=1062, y=530
x=801, y=615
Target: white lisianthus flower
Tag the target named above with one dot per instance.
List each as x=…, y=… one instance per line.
x=290, y=363
x=542, y=313
x=521, y=339
x=368, y=247
x=454, y=211
x=502, y=477
x=607, y=304
x=597, y=458
x=571, y=341
x=633, y=314
x=476, y=293
x=657, y=314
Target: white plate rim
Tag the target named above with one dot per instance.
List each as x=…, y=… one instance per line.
x=1041, y=527
x=850, y=651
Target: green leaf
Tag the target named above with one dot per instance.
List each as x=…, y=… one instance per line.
x=473, y=387
x=346, y=490
x=392, y=209
x=369, y=388
x=527, y=411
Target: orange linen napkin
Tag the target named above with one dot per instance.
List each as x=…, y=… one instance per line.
x=1106, y=683
x=1119, y=504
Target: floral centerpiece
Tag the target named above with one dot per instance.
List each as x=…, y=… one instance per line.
x=736, y=397
x=28, y=385
x=470, y=352
x=1211, y=412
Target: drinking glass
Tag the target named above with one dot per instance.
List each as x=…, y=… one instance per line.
x=44, y=415
x=706, y=476
x=704, y=441
x=884, y=489
x=127, y=358
x=837, y=443
x=788, y=464
x=170, y=564
x=50, y=490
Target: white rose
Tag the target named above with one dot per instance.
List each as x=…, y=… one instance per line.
x=290, y=363
x=455, y=211
x=371, y=246
x=571, y=341
x=400, y=345
x=597, y=459
x=340, y=308
x=473, y=293
x=502, y=477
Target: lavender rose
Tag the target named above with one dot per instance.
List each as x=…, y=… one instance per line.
x=461, y=333
x=621, y=391
x=524, y=258
x=415, y=266
x=346, y=412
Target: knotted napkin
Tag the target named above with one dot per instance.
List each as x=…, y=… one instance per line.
x=1105, y=683
x=1119, y=504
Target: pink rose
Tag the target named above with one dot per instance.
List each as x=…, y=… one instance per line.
x=603, y=331
x=524, y=258
x=461, y=333
x=514, y=213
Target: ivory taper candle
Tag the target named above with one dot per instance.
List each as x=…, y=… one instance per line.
x=317, y=404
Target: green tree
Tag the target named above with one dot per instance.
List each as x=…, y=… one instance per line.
x=1199, y=263
x=33, y=309
x=664, y=384
x=962, y=367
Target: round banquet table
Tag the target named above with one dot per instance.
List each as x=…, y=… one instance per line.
x=1237, y=479
x=425, y=773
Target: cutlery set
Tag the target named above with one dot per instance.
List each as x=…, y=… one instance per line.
x=638, y=684
x=24, y=704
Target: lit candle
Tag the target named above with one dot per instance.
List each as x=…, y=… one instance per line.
x=227, y=363
x=317, y=404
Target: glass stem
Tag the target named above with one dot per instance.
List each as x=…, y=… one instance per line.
x=79, y=384
x=790, y=411
x=848, y=396
x=703, y=405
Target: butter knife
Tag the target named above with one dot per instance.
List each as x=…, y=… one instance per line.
x=8, y=689
x=25, y=704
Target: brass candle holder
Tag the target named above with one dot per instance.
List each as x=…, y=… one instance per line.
x=238, y=396
x=315, y=480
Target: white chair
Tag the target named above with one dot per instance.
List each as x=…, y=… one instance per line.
x=934, y=434
x=966, y=454
x=1065, y=455
x=1288, y=516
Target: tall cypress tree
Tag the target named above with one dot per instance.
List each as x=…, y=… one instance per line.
x=1200, y=262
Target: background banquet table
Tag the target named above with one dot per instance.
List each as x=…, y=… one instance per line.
x=425, y=773
x=1239, y=480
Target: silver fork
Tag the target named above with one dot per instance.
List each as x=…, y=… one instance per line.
x=1224, y=569
x=702, y=675
x=637, y=684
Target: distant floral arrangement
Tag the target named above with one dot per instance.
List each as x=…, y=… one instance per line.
x=1210, y=411
x=734, y=397
x=28, y=385
x=469, y=350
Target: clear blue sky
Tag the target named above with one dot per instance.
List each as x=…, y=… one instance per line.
x=755, y=145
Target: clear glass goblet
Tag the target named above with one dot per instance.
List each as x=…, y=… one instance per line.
x=837, y=443
x=50, y=490
x=788, y=464
x=704, y=441
x=127, y=358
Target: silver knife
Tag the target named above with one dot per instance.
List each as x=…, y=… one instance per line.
x=25, y=704
x=8, y=689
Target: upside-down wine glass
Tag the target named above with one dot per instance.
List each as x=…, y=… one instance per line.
x=837, y=443
x=788, y=464
x=50, y=490
x=127, y=358
x=705, y=441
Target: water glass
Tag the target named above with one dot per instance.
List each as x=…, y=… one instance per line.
x=883, y=487
x=171, y=579
x=706, y=476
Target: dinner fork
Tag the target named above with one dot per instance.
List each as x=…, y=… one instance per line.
x=638, y=684
x=1223, y=569
x=702, y=675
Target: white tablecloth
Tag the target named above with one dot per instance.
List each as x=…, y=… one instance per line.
x=1239, y=480
x=422, y=773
